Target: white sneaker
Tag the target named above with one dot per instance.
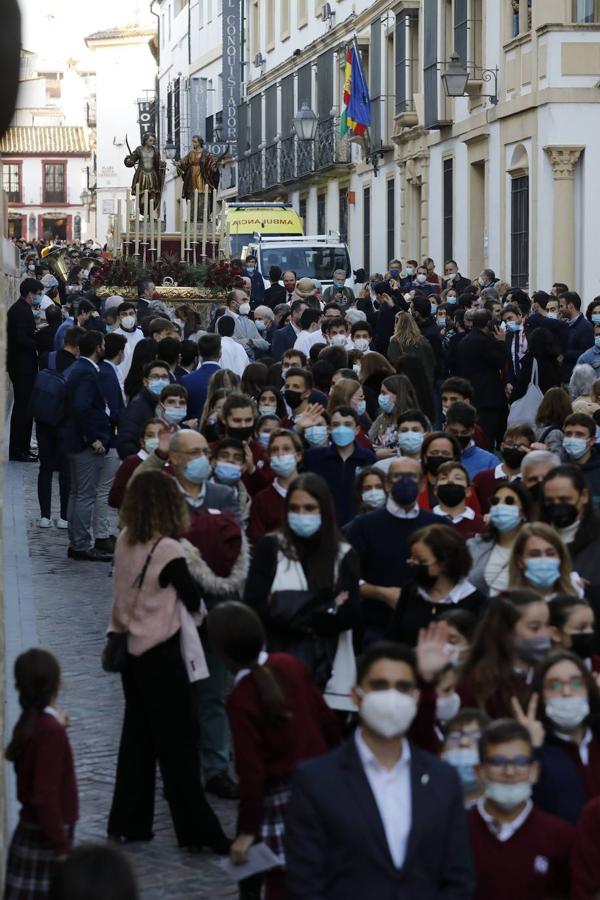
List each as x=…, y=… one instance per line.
x=62, y=523
x=44, y=522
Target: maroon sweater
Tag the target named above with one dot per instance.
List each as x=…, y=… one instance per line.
x=585, y=859
x=269, y=752
x=121, y=480
x=485, y=483
x=266, y=513
x=533, y=864
x=46, y=785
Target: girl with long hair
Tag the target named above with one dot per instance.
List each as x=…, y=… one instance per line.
x=540, y=560
x=145, y=351
x=407, y=339
x=510, y=509
x=396, y=396
x=552, y=412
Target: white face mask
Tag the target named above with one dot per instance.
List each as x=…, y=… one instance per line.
x=361, y=344
x=244, y=309
x=507, y=796
x=421, y=278
x=387, y=713
x=338, y=340
x=128, y=321
x=567, y=712
x=447, y=707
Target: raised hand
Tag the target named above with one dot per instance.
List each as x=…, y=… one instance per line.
x=529, y=719
x=433, y=650
x=310, y=416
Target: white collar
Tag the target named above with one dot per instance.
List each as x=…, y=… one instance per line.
x=111, y=364
x=505, y=830
x=370, y=761
x=399, y=512
x=467, y=514
x=583, y=748
x=52, y=712
x=194, y=502
x=262, y=658
x=500, y=475
x=279, y=488
x=458, y=593
x=142, y=454
x=91, y=362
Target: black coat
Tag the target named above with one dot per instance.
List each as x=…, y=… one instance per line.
x=274, y=295
x=21, y=350
x=480, y=359
x=131, y=419
x=549, y=375
x=580, y=338
x=413, y=612
x=283, y=339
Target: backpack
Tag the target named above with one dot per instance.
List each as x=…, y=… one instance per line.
x=48, y=403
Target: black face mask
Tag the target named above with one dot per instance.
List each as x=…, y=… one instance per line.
x=463, y=439
x=561, y=515
x=405, y=491
x=240, y=434
x=584, y=645
x=451, y=494
x=421, y=576
x=293, y=399
x=212, y=432
x=433, y=463
x=513, y=457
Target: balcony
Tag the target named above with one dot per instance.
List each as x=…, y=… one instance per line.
x=289, y=160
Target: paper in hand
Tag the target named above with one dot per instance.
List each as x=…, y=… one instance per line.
x=260, y=859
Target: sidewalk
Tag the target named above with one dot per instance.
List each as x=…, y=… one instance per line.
x=63, y=606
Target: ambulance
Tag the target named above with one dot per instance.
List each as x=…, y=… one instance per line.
x=245, y=220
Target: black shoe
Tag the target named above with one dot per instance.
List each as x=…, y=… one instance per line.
x=129, y=839
x=23, y=457
x=89, y=555
x=222, y=786
x=105, y=545
x=220, y=845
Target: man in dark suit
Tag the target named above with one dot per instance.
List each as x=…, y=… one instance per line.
x=196, y=383
x=453, y=279
x=88, y=435
x=480, y=360
x=22, y=366
x=114, y=354
x=285, y=338
x=516, y=341
x=544, y=314
x=378, y=817
x=142, y=407
x=146, y=289
x=580, y=331
x=276, y=292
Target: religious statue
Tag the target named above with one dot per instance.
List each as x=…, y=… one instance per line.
x=198, y=168
x=149, y=170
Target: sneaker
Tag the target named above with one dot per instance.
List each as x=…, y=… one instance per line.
x=44, y=522
x=62, y=523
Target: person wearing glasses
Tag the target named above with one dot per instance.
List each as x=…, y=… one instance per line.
x=461, y=750
x=519, y=850
x=510, y=507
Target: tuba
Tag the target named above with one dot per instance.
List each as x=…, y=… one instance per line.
x=88, y=263
x=58, y=264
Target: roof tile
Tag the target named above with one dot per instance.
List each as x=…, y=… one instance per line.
x=41, y=139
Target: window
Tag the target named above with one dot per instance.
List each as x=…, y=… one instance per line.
x=448, y=200
x=270, y=24
x=407, y=60
x=285, y=18
x=302, y=211
x=54, y=183
x=302, y=9
x=255, y=27
x=343, y=212
x=521, y=16
x=321, y=217
x=11, y=182
x=519, y=231
x=585, y=11
x=367, y=229
x=391, y=218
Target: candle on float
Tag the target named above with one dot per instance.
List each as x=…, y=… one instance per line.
x=136, y=213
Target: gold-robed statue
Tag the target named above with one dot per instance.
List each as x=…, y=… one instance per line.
x=149, y=170
x=198, y=168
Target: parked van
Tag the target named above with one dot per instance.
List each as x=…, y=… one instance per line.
x=312, y=256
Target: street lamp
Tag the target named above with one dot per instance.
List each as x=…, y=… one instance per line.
x=85, y=197
x=170, y=148
x=455, y=77
x=305, y=122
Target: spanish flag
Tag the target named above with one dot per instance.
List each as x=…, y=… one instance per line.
x=356, y=114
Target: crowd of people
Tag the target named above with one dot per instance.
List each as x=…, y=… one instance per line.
x=357, y=558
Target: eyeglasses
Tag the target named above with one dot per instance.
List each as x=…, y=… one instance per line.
x=555, y=684
x=455, y=737
x=193, y=452
x=510, y=501
x=522, y=447
x=503, y=762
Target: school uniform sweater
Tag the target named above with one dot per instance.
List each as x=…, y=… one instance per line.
x=122, y=476
x=266, y=513
x=566, y=782
x=585, y=859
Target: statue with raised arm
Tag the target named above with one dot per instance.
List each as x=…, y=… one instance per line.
x=149, y=170
x=198, y=168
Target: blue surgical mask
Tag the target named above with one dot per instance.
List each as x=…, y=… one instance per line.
x=514, y=326
x=597, y=341
x=441, y=321
x=361, y=407
x=451, y=299
x=410, y=441
x=197, y=470
x=433, y=307
x=174, y=414
x=250, y=270
x=508, y=796
x=464, y=760
x=155, y=387
x=283, y=465
x=374, y=498
x=316, y=435
x=505, y=517
x=284, y=373
x=386, y=403
x=151, y=444
x=596, y=318
x=342, y=435
x=267, y=410
x=227, y=472
x=304, y=525
x=339, y=284
x=410, y=270
x=263, y=438
x=395, y=273
x=542, y=571
x=575, y=447
x=260, y=324
x=553, y=314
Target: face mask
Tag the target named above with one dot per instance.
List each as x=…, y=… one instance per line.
x=395, y=273
x=584, y=644
x=405, y=491
x=386, y=403
x=128, y=322
x=433, y=308
x=451, y=276
x=410, y=441
x=31, y=267
x=421, y=576
x=507, y=796
x=283, y=465
x=463, y=439
x=567, y=712
x=240, y=434
x=421, y=279
x=447, y=707
x=263, y=438
x=514, y=326
x=227, y=472
x=553, y=314
x=155, y=387
x=342, y=435
x=260, y=324
x=374, y=498
x=172, y=414
x=361, y=344
x=284, y=373
x=361, y=407
x=505, y=517
x=250, y=270
x=410, y=270
x=293, y=399
x=561, y=515
x=316, y=435
x=197, y=470
x=542, y=571
x=451, y=494
x=304, y=526
x=451, y=299
x=575, y=447
x=338, y=340
x=339, y=284
x=480, y=281
x=513, y=457
x=596, y=318
x=244, y=309
x=464, y=760
x=151, y=444
x=533, y=649
x=267, y=410
x=388, y=713
x=453, y=654
x=441, y=321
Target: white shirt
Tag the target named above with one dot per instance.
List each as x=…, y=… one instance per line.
x=461, y=590
x=505, y=830
x=467, y=514
x=233, y=356
x=500, y=475
x=281, y=490
x=393, y=795
x=133, y=338
x=399, y=512
x=307, y=339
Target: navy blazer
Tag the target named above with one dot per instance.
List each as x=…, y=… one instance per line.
x=87, y=420
x=196, y=384
x=338, y=474
x=283, y=339
x=335, y=843
x=21, y=348
x=131, y=419
x=113, y=394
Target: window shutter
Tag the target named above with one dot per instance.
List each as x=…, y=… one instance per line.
x=255, y=122
x=461, y=13
x=324, y=84
x=304, y=87
x=375, y=82
x=271, y=114
x=430, y=62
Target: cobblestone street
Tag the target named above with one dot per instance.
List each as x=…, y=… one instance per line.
x=68, y=605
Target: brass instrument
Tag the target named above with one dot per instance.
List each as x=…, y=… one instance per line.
x=58, y=263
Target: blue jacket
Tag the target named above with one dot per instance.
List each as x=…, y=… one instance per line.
x=113, y=394
x=59, y=337
x=560, y=789
x=283, y=339
x=336, y=847
x=257, y=288
x=580, y=339
x=196, y=384
x=591, y=358
x=475, y=460
x=87, y=420
x=338, y=474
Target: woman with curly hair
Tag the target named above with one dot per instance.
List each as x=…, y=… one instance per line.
x=408, y=339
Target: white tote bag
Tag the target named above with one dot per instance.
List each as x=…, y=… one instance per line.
x=343, y=675
x=524, y=411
